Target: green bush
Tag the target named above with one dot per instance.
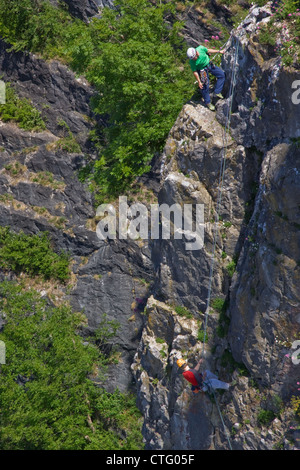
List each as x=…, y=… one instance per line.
x=230, y=268
x=221, y=305
x=21, y=111
x=48, y=401
x=265, y=417
x=295, y=402
x=200, y=336
x=67, y=143
x=183, y=312
x=229, y=362
x=32, y=254
x=285, y=26
x=35, y=25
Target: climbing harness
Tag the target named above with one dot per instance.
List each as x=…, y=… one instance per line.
x=203, y=73
x=219, y=200
x=203, y=76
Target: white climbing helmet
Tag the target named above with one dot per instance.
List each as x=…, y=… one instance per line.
x=191, y=52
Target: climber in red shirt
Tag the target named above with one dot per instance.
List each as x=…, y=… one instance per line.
x=200, y=381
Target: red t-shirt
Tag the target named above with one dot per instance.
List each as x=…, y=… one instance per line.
x=189, y=376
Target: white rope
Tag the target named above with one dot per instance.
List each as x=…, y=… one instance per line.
x=221, y=417
x=220, y=189
x=219, y=199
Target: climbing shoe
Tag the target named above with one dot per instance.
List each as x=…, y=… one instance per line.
x=211, y=107
x=219, y=95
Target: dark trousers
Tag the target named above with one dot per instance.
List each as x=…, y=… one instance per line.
x=219, y=74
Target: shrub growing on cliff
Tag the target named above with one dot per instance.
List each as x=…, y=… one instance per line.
x=48, y=401
x=183, y=311
x=32, y=254
x=295, y=401
x=283, y=31
x=21, y=111
x=34, y=25
x=265, y=417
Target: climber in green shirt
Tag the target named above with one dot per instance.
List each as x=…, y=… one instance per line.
x=201, y=66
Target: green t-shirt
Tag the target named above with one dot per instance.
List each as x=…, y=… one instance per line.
x=202, y=60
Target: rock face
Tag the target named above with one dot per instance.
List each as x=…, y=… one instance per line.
x=82, y=9
x=191, y=169
x=197, y=21
x=40, y=191
x=163, y=396
x=85, y=10
x=257, y=228
x=54, y=90
x=157, y=290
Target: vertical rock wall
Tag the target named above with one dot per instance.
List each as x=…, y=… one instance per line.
x=250, y=344
x=259, y=230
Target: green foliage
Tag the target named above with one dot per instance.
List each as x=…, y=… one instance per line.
x=265, y=417
x=36, y=25
x=21, y=111
x=228, y=361
x=105, y=332
x=284, y=30
x=221, y=305
x=48, y=401
x=295, y=402
x=142, y=87
x=160, y=340
x=67, y=143
x=136, y=61
x=296, y=141
x=46, y=178
x=134, y=57
x=200, y=336
x=15, y=168
x=230, y=268
x=32, y=254
x=183, y=312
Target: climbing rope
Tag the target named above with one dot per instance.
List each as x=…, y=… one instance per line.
x=221, y=417
x=219, y=200
x=220, y=187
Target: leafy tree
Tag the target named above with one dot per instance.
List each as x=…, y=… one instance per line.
x=47, y=398
x=142, y=86
x=135, y=58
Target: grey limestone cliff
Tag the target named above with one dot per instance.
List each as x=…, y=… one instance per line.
x=157, y=290
x=258, y=235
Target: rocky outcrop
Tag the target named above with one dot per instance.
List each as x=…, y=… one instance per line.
x=158, y=290
x=40, y=191
x=82, y=9
x=85, y=10
x=270, y=253
x=172, y=417
x=258, y=229
x=53, y=89
x=202, y=21
x=191, y=169
x=263, y=112
x=264, y=295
